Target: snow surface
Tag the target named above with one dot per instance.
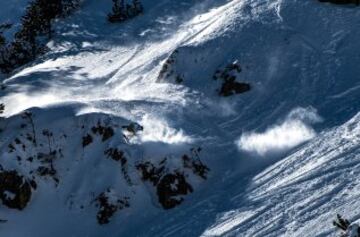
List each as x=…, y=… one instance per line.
x=284, y=157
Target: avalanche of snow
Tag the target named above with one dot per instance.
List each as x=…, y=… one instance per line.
x=302, y=112
x=281, y=137
x=156, y=130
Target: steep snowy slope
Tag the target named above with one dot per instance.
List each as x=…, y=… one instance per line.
x=299, y=195
x=165, y=73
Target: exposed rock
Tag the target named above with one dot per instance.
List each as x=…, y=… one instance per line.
x=168, y=72
x=171, y=186
x=17, y=141
x=108, y=205
x=232, y=87
x=33, y=184
x=11, y=148
x=179, y=79
x=166, y=69
x=47, y=158
x=170, y=189
x=116, y=155
x=228, y=76
x=196, y=166
x=151, y=173
x=45, y=171
x=15, y=190
x=28, y=116
x=105, y=132
x=48, y=169
x=87, y=140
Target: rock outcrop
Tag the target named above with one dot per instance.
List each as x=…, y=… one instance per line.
x=15, y=190
x=108, y=204
x=228, y=76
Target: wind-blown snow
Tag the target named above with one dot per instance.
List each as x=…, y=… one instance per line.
x=156, y=130
x=301, y=64
x=294, y=130
x=277, y=138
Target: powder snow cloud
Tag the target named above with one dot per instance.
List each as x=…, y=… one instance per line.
x=290, y=132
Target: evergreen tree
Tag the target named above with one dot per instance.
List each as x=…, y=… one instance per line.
x=30, y=40
x=32, y=23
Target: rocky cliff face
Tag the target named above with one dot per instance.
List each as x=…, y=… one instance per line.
x=47, y=154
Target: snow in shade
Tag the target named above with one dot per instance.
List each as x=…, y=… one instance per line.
x=292, y=131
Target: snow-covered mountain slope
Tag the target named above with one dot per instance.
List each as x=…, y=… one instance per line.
x=195, y=147
x=299, y=195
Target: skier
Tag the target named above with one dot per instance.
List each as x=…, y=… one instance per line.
x=348, y=230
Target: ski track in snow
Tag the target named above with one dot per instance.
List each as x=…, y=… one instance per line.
x=295, y=195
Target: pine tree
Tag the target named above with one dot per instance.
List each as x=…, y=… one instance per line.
x=30, y=40
x=32, y=23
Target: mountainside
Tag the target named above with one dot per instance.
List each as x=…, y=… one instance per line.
x=299, y=195
x=194, y=118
